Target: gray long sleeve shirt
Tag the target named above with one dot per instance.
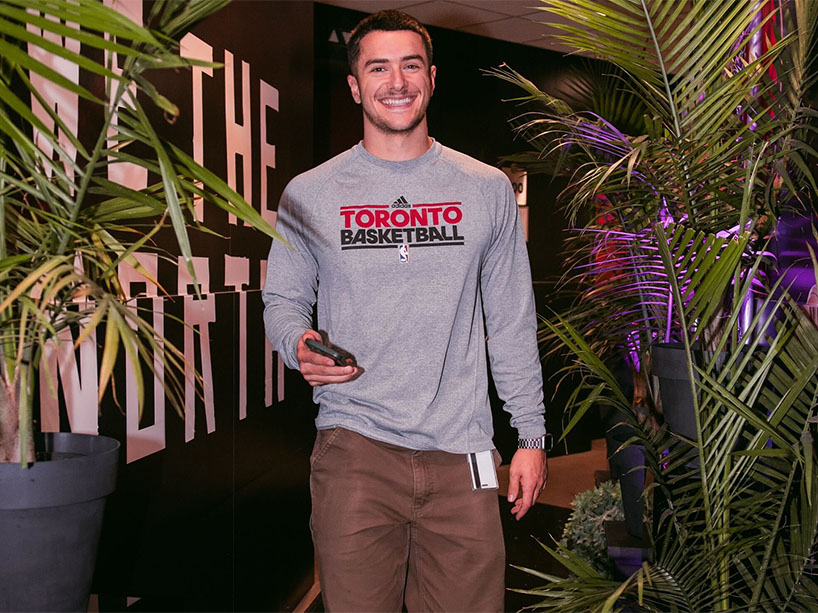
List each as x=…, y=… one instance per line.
x=413, y=265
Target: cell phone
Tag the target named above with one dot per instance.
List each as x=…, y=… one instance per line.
x=341, y=356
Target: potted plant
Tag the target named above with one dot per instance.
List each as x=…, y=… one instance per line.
x=584, y=533
x=66, y=224
x=675, y=219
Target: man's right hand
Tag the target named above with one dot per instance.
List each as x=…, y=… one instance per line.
x=318, y=369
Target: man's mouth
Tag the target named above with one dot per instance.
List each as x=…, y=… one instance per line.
x=403, y=101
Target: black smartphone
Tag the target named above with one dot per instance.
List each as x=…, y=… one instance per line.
x=341, y=357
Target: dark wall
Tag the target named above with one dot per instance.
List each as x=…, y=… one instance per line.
x=219, y=522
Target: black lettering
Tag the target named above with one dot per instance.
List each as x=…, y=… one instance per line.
x=435, y=235
x=422, y=235
x=360, y=238
x=455, y=235
x=372, y=236
x=346, y=237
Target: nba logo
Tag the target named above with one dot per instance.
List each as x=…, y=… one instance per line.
x=403, y=252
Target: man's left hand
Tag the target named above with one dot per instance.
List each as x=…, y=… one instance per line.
x=528, y=472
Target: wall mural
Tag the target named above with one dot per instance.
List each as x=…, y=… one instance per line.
x=231, y=123
x=204, y=498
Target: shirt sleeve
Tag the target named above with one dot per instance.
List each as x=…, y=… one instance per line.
x=511, y=320
x=291, y=283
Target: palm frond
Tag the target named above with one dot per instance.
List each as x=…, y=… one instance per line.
x=66, y=224
x=673, y=217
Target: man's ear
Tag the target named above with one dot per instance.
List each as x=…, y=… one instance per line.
x=432, y=74
x=353, y=88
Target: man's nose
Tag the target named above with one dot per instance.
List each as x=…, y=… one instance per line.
x=397, y=80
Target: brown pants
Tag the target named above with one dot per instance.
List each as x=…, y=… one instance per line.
x=394, y=525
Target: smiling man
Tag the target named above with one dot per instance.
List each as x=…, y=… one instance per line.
x=415, y=257
x=393, y=83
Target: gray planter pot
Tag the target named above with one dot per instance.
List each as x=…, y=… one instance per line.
x=628, y=467
x=50, y=522
x=670, y=367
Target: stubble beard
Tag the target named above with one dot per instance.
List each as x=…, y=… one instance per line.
x=383, y=125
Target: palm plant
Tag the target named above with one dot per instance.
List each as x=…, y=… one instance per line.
x=65, y=223
x=674, y=221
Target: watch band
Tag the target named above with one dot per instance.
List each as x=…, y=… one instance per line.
x=545, y=442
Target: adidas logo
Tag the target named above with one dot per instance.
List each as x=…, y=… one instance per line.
x=401, y=203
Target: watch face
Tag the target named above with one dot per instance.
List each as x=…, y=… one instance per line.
x=548, y=442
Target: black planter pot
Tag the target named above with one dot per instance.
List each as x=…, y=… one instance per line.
x=627, y=464
x=50, y=522
x=628, y=467
x=670, y=367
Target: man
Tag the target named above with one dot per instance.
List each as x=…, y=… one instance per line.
x=414, y=254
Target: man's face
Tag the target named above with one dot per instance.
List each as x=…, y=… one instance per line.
x=393, y=80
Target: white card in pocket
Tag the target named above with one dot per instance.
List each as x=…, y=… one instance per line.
x=483, y=470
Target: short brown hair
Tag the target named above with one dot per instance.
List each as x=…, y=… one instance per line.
x=385, y=21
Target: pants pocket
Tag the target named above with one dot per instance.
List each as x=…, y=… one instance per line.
x=498, y=459
x=323, y=441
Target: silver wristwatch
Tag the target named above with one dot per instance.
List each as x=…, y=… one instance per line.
x=544, y=442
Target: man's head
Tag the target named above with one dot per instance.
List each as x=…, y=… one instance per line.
x=385, y=21
x=392, y=78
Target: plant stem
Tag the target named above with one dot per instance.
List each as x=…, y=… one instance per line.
x=3, y=251
x=26, y=417
x=110, y=111
x=637, y=270
x=662, y=70
x=667, y=259
x=749, y=179
x=672, y=107
x=724, y=539
x=768, y=552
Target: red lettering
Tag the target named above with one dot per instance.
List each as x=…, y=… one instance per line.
x=347, y=215
x=418, y=217
x=364, y=218
x=400, y=218
x=452, y=214
x=404, y=218
x=381, y=218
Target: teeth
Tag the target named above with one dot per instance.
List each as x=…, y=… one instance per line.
x=396, y=102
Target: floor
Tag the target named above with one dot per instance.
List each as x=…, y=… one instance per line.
x=568, y=475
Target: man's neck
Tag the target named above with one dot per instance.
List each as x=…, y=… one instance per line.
x=396, y=147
